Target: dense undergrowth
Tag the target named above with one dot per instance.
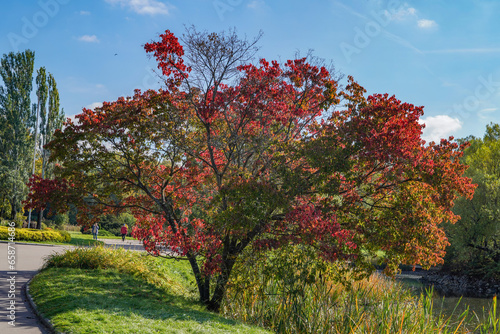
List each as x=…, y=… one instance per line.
x=317, y=297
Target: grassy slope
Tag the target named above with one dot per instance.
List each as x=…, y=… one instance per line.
x=121, y=301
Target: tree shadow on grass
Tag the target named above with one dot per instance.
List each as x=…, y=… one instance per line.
x=59, y=291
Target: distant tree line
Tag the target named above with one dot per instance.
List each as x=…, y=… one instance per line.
x=475, y=238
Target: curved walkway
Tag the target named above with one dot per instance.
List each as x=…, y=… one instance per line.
x=16, y=316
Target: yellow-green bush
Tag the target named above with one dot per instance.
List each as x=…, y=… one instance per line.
x=29, y=234
x=65, y=234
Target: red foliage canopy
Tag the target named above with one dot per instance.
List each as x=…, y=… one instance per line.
x=210, y=165
x=44, y=191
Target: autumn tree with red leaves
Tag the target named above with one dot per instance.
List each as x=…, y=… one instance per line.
x=232, y=154
x=44, y=191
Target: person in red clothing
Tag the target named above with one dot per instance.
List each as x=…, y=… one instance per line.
x=124, y=231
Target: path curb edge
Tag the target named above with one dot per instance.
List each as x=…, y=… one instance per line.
x=46, y=322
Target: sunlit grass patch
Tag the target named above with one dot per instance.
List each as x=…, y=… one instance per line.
x=101, y=290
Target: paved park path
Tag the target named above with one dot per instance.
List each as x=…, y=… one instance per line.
x=28, y=260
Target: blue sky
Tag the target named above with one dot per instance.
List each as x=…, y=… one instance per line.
x=440, y=54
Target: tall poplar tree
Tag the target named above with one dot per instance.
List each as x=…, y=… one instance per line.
x=17, y=123
x=38, y=108
x=53, y=122
x=51, y=118
x=22, y=133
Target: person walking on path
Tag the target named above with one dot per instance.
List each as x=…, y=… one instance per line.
x=124, y=231
x=95, y=230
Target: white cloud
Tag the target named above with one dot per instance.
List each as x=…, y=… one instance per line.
x=407, y=13
x=402, y=13
x=89, y=39
x=84, y=12
x=411, y=11
x=486, y=113
x=440, y=126
x=143, y=7
x=426, y=24
x=488, y=110
x=94, y=105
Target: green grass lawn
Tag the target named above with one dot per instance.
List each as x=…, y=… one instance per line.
x=128, y=292
x=79, y=239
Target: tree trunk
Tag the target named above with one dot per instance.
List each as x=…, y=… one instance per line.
x=221, y=284
x=13, y=211
x=39, y=219
x=203, y=284
x=220, y=290
x=213, y=304
x=232, y=249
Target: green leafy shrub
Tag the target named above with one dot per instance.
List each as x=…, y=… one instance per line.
x=19, y=219
x=60, y=219
x=113, y=223
x=5, y=207
x=104, y=233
